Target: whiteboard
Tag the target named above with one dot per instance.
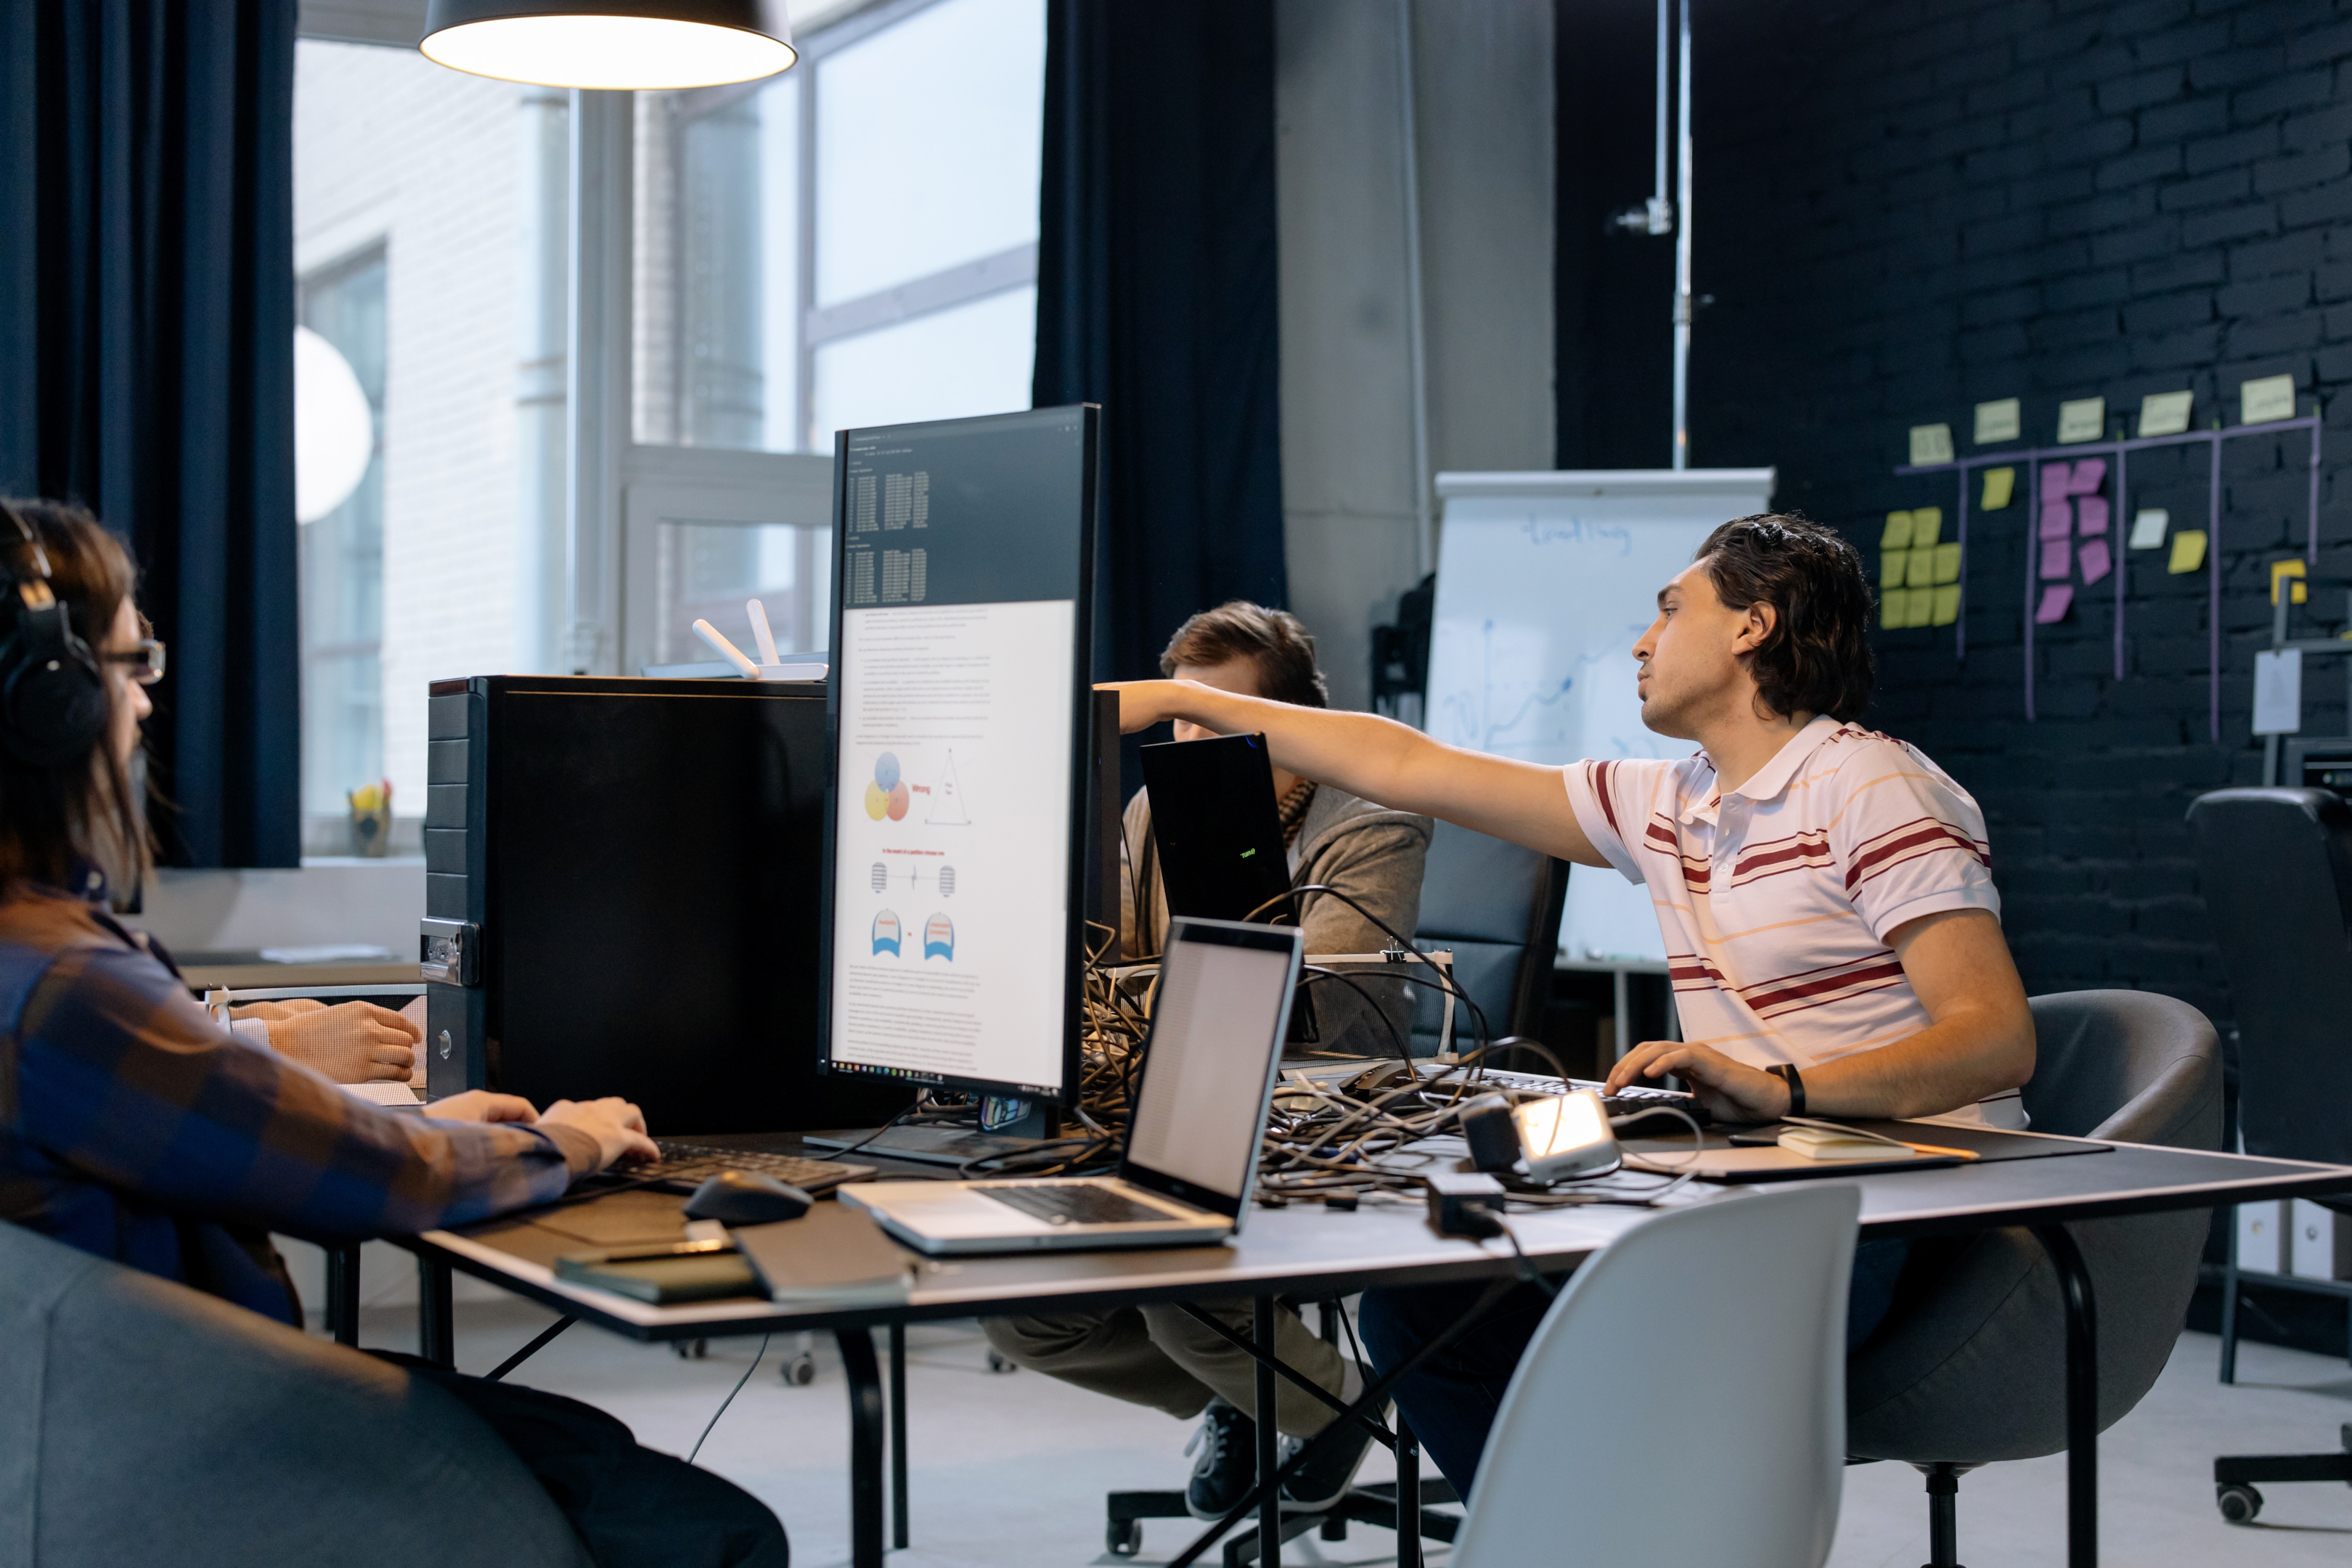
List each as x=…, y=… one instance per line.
x=1545, y=581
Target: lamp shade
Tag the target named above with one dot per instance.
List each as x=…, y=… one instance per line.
x=611, y=44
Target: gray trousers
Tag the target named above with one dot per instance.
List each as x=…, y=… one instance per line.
x=1157, y=1355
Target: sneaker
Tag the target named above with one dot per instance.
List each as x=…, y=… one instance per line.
x=1318, y=1486
x=1226, y=1466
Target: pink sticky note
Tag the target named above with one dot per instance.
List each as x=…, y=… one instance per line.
x=2089, y=475
x=2057, y=518
x=2091, y=517
x=2057, y=559
x=2096, y=562
x=2056, y=600
x=2056, y=478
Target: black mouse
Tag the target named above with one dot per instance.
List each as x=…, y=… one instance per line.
x=747, y=1197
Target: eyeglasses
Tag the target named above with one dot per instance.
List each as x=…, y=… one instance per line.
x=147, y=655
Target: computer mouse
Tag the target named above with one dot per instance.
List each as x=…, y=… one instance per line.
x=747, y=1197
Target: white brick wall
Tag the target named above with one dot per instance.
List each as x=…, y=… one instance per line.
x=390, y=148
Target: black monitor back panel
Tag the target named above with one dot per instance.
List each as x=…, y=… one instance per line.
x=639, y=863
x=1216, y=829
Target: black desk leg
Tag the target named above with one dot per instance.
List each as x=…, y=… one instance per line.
x=343, y=1293
x=1408, y=1495
x=900, y=1528
x=1269, y=1457
x=864, y=1446
x=2081, y=1396
x=437, y=1314
x=2230, y=1302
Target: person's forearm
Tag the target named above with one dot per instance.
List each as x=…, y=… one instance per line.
x=1946, y=1067
x=1382, y=761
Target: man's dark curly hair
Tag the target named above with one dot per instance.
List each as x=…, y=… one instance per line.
x=1817, y=659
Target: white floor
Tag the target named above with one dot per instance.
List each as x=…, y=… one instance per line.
x=1011, y=1470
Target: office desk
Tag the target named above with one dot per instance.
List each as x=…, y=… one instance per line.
x=1316, y=1251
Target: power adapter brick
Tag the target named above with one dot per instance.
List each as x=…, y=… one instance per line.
x=1464, y=1204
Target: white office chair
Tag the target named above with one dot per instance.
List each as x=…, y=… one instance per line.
x=1683, y=1402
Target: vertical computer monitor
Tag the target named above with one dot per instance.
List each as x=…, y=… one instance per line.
x=959, y=707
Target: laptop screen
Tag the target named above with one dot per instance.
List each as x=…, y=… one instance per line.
x=1216, y=1036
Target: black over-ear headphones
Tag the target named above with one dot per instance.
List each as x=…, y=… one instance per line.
x=53, y=703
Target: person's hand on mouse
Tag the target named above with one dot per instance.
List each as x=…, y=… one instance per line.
x=357, y=1042
x=618, y=1127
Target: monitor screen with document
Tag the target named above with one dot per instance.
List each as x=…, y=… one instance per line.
x=959, y=711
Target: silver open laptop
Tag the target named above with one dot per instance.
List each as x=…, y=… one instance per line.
x=1191, y=1160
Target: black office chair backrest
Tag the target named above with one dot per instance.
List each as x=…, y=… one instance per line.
x=1497, y=906
x=2276, y=866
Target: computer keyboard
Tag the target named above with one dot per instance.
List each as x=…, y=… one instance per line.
x=688, y=1165
x=1633, y=1100
x=1075, y=1203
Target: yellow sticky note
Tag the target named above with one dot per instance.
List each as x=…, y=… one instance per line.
x=1898, y=532
x=1927, y=525
x=2188, y=550
x=1921, y=572
x=1931, y=443
x=1922, y=606
x=2165, y=412
x=1948, y=602
x=1947, y=562
x=1894, y=607
x=1999, y=486
x=2280, y=570
x=1999, y=420
x=2271, y=397
x=1893, y=565
x=2083, y=419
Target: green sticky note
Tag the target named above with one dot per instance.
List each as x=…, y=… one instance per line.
x=1898, y=532
x=1920, y=568
x=1947, y=604
x=1999, y=486
x=2188, y=550
x=1947, y=565
x=1926, y=523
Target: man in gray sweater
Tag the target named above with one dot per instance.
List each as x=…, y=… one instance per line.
x=1158, y=1355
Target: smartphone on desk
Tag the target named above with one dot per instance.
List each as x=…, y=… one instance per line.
x=683, y=1271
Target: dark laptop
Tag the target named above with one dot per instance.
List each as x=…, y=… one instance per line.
x=1216, y=829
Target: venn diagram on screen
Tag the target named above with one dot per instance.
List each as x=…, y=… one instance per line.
x=887, y=795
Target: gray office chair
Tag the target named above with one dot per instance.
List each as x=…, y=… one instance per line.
x=2276, y=870
x=141, y=1422
x=1497, y=905
x=1973, y=1368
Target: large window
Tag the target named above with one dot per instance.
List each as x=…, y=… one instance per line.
x=851, y=243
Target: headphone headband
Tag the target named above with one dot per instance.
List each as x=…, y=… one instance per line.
x=53, y=700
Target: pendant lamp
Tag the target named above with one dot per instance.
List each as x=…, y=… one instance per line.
x=611, y=44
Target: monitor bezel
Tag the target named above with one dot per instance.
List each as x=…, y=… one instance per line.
x=1188, y=930
x=1081, y=697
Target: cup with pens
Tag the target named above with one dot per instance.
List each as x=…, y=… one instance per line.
x=371, y=819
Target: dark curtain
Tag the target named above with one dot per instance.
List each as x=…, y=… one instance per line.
x=1156, y=299
x=146, y=363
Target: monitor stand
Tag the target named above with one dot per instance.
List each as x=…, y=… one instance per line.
x=924, y=1145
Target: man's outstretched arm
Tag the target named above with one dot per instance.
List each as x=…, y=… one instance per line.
x=1381, y=760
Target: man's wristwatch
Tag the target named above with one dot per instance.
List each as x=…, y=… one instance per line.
x=1787, y=1073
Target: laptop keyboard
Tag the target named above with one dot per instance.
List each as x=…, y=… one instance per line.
x=691, y=1164
x=1074, y=1204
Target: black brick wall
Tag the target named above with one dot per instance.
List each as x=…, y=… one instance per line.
x=1905, y=209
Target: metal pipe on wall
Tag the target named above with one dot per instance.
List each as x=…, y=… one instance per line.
x=1683, y=249
x=541, y=332
x=1424, y=546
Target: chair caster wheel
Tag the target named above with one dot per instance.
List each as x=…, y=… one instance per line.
x=2238, y=1503
x=1124, y=1537
x=691, y=1350
x=998, y=1364
x=801, y=1370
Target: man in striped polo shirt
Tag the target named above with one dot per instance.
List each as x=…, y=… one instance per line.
x=1824, y=892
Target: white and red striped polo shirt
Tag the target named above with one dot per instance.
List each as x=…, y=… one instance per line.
x=1776, y=898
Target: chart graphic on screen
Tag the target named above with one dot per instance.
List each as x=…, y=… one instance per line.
x=939, y=938
x=886, y=934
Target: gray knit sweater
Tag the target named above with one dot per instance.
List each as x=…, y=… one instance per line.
x=1372, y=853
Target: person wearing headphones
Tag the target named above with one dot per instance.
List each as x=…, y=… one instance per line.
x=134, y=1127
